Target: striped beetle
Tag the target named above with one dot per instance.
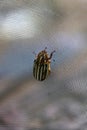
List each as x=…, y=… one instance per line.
x=41, y=67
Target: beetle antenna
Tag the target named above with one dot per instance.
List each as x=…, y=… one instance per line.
x=45, y=48
x=34, y=53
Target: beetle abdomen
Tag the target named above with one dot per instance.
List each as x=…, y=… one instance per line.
x=40, y=71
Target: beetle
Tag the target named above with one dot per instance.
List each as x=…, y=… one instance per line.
x=41, y=67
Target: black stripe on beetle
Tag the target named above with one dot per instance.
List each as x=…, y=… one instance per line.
x=41, y=67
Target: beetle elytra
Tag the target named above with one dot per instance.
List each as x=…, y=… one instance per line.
x=41, y=67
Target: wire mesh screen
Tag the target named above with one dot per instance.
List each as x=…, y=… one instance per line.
x=60, y=101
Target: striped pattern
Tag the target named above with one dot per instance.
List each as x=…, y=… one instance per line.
x=40, y=71
x=41, y=68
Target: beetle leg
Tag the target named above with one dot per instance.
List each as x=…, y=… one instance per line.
x=51, y=54
x=49, y=69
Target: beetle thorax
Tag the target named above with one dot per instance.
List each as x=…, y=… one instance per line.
x=42, y=57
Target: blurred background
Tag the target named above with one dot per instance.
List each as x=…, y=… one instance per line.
x=60, y=101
